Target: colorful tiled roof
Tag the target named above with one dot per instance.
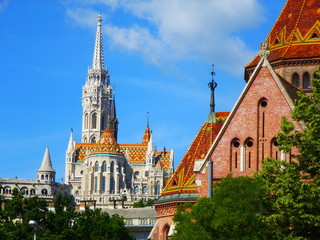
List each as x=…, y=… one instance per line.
x=183, y=179
x=107, y=144
x=296, y=33
x=146, y=136
x=135, y=153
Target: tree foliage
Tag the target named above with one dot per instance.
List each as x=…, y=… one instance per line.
x=141, y=203
x=63, y=223
x=280, y=202
x=234, y=212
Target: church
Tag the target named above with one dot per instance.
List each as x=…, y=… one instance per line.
x=99, y=170
x=285, y=64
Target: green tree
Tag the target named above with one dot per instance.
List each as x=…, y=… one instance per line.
x=294, y=187
x=234, y=212
x=307, y=111
x=94, y=224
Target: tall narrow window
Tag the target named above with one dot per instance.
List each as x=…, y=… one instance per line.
x=112, y=185
x=104, y=167
x=94, y=121
x=86, y=121
x=93, y=140
x=248, y=152
x=296, y=79
x=95, y=184
x=112, y=167
x=234, y=153
x=96, y=167
x=103, y=185
x=158, y=188
x=306, y=80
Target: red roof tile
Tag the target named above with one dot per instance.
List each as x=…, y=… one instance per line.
x=296, y=33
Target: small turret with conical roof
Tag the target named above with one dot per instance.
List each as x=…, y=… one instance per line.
x=46, y=171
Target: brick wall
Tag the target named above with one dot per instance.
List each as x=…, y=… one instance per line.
x=256, y=120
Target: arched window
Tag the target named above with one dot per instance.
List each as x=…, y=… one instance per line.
x=144, y=190
x=136, y=190
x=158, y=188
x=104, y=167
x=85, y=140
x=24, y=191
x=306, y=80
x=86, y=121
x=166, y=230
x=274, y=149
x=32, y=191
x=246, y=153
x=234, y=153
x=96, y=167
x=42, y=177
x=93, y=140
x=136, y=174
x=94, y=121
x=112, y=167
x=296, y=79
x=44, y=191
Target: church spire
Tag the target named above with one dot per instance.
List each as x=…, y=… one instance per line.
x=98, y=59
x=212, y=85
x=96, y=94
x=46, y=171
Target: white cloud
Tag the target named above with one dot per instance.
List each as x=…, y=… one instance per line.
x=178, y=29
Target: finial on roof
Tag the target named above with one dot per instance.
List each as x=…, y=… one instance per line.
x=212, y=85
x=98, y=59
x=148, y=118
x=264, y=53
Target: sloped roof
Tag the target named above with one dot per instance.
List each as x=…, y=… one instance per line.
x=107, y=144
x=183, y=179
x=135, y=153
x=296, y=33
x=46, y=165
x=146, y=136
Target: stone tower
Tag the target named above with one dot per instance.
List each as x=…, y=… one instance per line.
x=46, y=172
x=97, y=98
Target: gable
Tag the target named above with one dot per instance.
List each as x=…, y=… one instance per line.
x=249, y=134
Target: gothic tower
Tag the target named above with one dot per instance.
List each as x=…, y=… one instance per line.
x=97, y=101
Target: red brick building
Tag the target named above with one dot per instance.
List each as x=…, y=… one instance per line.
x=285, y=64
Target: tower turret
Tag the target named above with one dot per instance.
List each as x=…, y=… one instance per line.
x=96, y=94
x=46, y=171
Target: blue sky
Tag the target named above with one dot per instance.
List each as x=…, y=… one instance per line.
x=159, y=54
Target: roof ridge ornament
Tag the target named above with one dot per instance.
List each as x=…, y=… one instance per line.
x=212, y=85
x=264, y=52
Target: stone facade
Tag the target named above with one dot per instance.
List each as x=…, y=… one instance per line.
x=44, y=186
x=101, y=170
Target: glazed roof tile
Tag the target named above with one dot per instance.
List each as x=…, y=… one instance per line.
x=296, y=33
x=135, y=153
x=183, y=179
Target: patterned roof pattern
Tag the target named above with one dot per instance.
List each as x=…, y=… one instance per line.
x=183, y=179
x=146, y=136
x=296, y=33
x=135, y=153
x=107, y=144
